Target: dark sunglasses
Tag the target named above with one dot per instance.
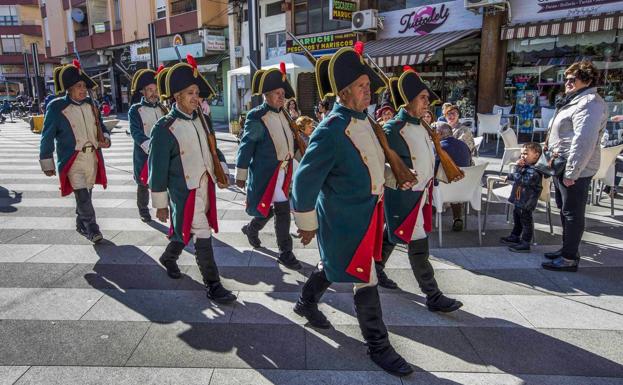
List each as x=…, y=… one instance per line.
x=570, y=79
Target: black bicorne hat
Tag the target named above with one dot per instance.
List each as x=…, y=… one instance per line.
x=347, y=65
x=161, y=75
x=71, y=74
x=322, y=77
x=56, y=78
x=408, y=86
x=273, y=79
x=255, y=84
x=183, y=75
x=143, y=78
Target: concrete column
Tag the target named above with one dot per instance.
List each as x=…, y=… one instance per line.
x=492, y=63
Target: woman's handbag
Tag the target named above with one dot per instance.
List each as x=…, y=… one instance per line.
x=550, y=164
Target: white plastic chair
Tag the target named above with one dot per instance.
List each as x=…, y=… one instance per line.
x=606, y=172
x=477, y=143
x=467, y=190
x=502, y=110
x=541, y=124
x=501, y=195
x=490, y=124
x=512, y=150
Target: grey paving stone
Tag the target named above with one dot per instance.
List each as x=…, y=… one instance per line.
x=46, y=304
x=549, y=351
x=593, y=281
x=19, y=253
x=105, y=253
x=610, y=303
x=55, y=237
x=31, y=274
x=124, y=277
x=483, y=258
x=10, y=374
x=601, y=255
x=262, y=279
x=113, y=212
x=140, y=238
x=300, y=377
x=222, y=345
x=158, y=306
x=72, y=375
x=9, y=235
x=553, y=312
x=427, y=348
x=38, y=343
x=439, y=378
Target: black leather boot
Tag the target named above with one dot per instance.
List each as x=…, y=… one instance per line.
x=284, y=239
x=386, y=251
x=425, y=276
x=307, y=304
x=86, y=216
x=169, y=259
x=252, y=229
x=209, y=272
x=142, y=201
x=370, y=317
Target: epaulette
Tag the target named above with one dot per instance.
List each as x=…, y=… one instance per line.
x=395, y=124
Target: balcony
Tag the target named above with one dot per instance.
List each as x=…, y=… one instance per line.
x=183, y=6
x=77, y=3
x=83, y=43
x=19, y=2
x=161, y=27
x=184, y=22
x=18, y=58
x=31, y=30
x=102, y=39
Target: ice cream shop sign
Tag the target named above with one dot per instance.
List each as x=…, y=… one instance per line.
x=420, y=21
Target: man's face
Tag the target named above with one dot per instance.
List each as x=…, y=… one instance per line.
x=452, y=116
x=529, y=156
x=188, y=98
x=150, y=93
x=360, y=95
x=420, y=103
x=387, y=115
x=78, y=91
x=276, y=98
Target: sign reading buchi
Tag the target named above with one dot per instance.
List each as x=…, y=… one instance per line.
x=342, y=10
x=321, y=42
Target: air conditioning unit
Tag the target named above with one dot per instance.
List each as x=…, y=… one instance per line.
x=365, y=20
x=474, y=4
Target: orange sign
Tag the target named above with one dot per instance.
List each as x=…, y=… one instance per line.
x=178, y=40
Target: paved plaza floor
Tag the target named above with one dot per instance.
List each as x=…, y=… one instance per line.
x=74, y=313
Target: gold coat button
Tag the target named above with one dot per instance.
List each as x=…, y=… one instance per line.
x=373, y=187
x=359, y=270
x=365, y=159
x=348, y=132
x=187, y=177
x=401, y=232
x=263, y=204
x=181, y=152
x=413, y=158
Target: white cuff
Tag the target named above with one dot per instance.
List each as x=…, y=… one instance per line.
x=47, y=164
x=159, y=200
x=307, y=221
x=225, y=168
x=241, y=173
x=390, y=179
x=145, y=146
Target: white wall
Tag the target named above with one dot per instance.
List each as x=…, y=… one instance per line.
x=270, y=24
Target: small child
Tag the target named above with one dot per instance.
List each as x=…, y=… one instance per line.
x=305, y=125
x=525, y=195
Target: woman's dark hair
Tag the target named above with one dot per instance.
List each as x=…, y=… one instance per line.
x=296, y=106
x=325, y=104
x=585, y=71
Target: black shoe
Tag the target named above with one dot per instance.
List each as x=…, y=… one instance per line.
x=385, y=281
x=457, y=225
x=561, y=264
x=95, y=237
x=252, y=237
x=521, y=247
x=510, y=240
x=289, y=260
x=553, y=254
x=391, y=362
x=173, y=270
x=217, y=293
x=443, y=304
x=310, y=312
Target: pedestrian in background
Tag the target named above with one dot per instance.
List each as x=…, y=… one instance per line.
x=305, y=125
x=459, y=130
x=385, y=113
x=575, y=133
x=293, y=109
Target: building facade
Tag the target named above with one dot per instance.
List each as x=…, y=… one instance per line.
x=20, y=26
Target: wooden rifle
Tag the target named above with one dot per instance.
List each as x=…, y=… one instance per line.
x=452, y=171
x=221, y=177
x=97, y=115
x=296, y=134
x=401, y=171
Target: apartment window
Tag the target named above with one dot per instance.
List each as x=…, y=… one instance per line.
x=8, y=15
x=117, y=7
x=312, y=16
x=273, y=9
x=245, y=13
x=183, y=6
x=161, y=9
x=11, y=43
x=275, y=44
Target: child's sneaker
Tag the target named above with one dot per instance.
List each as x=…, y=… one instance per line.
x=522, y=247
x=510, y=240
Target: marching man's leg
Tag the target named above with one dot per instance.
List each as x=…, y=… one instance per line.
x=252, y=229
x=142, y=201
x=386, y=251
x=82, y=178
x=203, y=247
x=307, y=304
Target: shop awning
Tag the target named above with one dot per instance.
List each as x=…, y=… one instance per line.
x=292, y=61
x=596, y=23
x=413, y=49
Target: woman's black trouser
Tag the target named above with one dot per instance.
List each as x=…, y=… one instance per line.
x=572, y=204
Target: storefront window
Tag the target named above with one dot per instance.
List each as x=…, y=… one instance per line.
x=312, y=16
x=275, y=44
x=216, y=80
